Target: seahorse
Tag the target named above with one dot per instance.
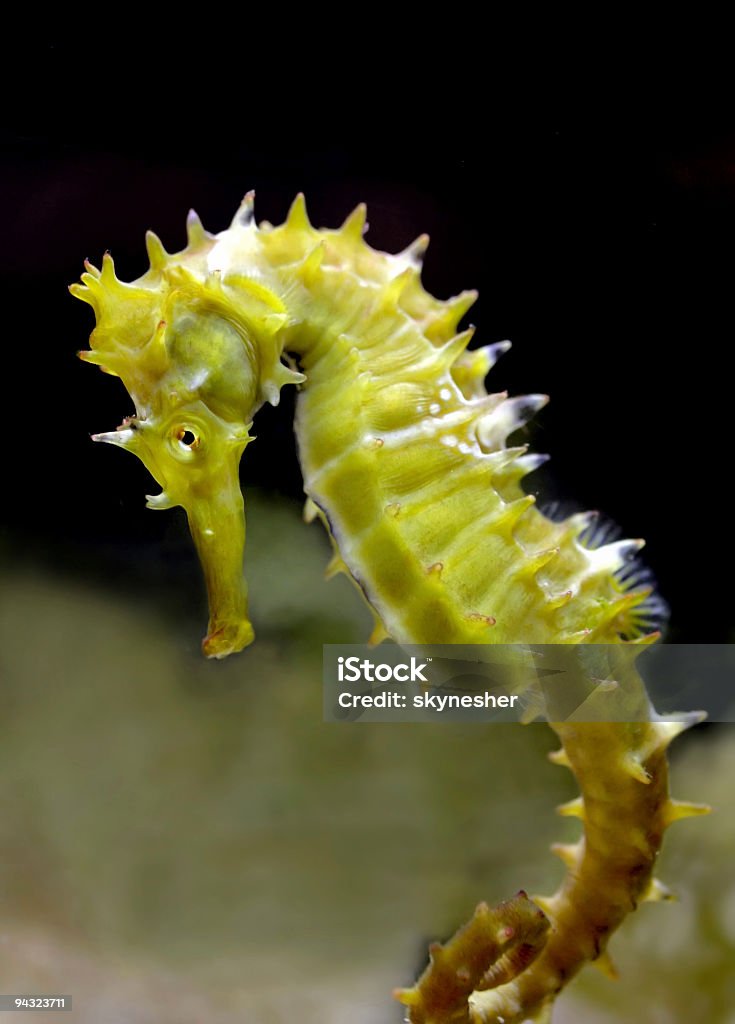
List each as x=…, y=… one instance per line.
x=406, y=461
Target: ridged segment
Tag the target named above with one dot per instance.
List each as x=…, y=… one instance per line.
x=491, y=949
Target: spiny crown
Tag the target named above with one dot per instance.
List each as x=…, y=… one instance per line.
x=188, y=320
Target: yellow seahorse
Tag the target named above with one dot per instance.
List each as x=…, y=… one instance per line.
x=404, y=459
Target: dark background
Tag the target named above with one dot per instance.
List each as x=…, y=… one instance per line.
x=605, y=256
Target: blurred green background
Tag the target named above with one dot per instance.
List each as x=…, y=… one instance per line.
x=186, y=841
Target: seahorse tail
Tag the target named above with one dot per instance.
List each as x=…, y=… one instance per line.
x=625, y=811
x=492, y=948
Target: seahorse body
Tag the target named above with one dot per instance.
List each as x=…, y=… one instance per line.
x=405, y=460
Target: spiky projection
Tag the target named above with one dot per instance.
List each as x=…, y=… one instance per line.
x=406, y=461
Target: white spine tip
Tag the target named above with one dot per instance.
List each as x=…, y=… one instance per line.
x=194, y=228
x=158, y=501
x=246, y=213
x=532, y=461
x=122, y=438
x=416, y=250
x=494, y=352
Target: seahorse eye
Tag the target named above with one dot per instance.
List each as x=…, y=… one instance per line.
x=185, y=440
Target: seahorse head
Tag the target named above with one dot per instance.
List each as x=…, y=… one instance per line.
x=198, y=349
